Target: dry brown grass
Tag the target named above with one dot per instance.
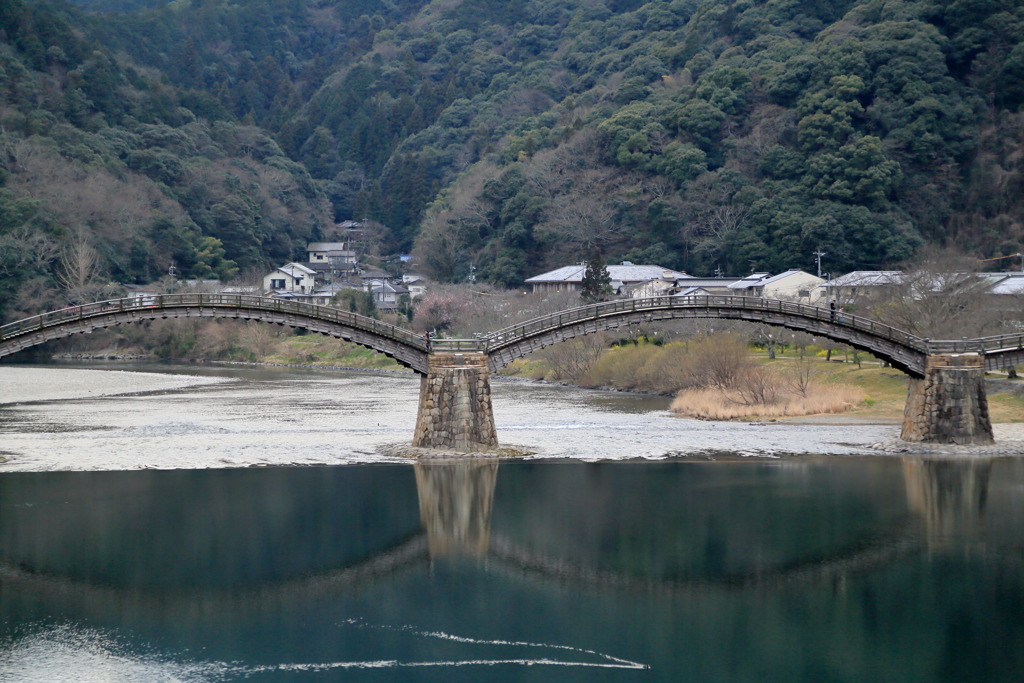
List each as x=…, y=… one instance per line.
x=730, y=404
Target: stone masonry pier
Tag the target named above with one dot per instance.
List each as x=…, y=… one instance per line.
x=948, y=405
x=455, y=404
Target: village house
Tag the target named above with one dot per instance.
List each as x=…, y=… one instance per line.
x=253, y=290
x=682, y=286
x=373, y=277
x=385, y=295
x=656, y=287
x=1007, y=284
x=292, y=278
x=710, y=285
x=331, y=261
x=692, y=291
x=416, y=284
x=792, y=285
x=333, y=253
x=570, y=278
x=144, y=292
x=862, y=285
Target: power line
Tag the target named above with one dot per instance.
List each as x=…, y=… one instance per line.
x=1000, y=258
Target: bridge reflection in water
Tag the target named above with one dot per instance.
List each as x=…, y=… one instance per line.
x=658, y=562
x=150, y=537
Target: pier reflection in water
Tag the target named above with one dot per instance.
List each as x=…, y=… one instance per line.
x=950, y=496
x=456, y=497
x=800, y=569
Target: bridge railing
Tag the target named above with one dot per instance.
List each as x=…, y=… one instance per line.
x=572, y=316
x=514, y=333
x=1001, y=342
x=234, y=301
x=479, y=345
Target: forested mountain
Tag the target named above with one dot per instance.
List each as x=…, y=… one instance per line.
x=105, y=174
x=508, y=134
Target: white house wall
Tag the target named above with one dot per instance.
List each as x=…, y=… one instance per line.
x=789, y=288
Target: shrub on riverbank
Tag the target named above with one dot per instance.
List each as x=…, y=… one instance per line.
x=665, y=369
x=716, y=377
x=737, y=403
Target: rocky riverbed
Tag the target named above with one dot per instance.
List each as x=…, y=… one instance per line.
x=127, y=416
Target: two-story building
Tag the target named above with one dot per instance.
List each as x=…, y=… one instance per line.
x=331, y=260
x=292, y=277
x=334, y=253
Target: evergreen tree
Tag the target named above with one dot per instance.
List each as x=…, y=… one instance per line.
x=597, y=284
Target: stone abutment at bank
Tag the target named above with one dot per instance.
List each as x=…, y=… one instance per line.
x=948, y=404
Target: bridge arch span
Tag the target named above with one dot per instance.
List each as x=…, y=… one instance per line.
x=903, y=350
x=405, y=347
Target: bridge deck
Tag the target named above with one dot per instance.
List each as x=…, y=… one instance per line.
x=1002, y=350
x=232, y=301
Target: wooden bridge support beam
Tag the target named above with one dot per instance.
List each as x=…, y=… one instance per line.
x=948, y=405
x=455, y=404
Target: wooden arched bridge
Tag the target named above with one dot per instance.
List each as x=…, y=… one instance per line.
x=455, y=405
x=404, y=346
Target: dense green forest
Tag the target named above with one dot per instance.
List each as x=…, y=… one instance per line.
x=508, y=135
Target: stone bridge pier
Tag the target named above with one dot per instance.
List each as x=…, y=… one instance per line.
x=455, y=404
x=948, y=405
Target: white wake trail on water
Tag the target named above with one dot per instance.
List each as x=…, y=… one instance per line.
x=91, y=655
x=609, y=661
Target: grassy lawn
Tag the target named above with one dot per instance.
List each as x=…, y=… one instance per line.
x=316, y=349
x=886, y=388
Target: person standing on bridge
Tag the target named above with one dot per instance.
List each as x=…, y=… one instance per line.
x=832, y=311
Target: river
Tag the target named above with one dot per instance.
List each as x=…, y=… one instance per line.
x=200, y=523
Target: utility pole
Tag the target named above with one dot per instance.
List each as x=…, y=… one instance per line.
x=819, y=253
x=718, y=271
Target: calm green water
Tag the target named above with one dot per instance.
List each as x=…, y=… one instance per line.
x=803, y=569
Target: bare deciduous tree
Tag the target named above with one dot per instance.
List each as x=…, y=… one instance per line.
x=757, y=386
x=570, y=360
x=80, y=269
x=717, y=362
x=712, y=213
x=260, y=338
x=585, y=217
x=799, y=377
x=943, y=296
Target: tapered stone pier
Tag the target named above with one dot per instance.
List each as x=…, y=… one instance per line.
x=948, y=405
x=455, y=404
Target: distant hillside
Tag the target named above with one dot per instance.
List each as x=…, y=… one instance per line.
x=514, y=136
x=106, y=173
